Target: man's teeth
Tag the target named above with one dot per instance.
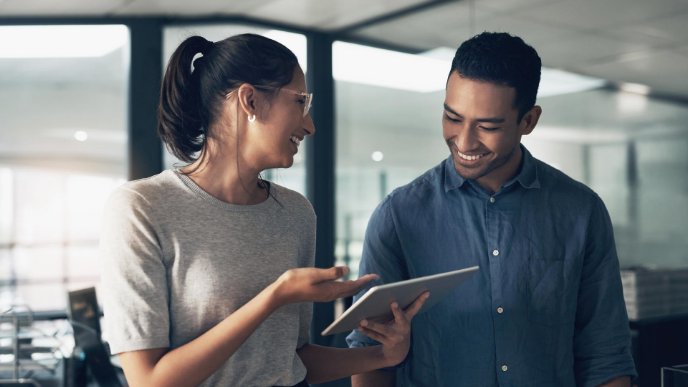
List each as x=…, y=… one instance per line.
x=469, y=158
x=295, y=140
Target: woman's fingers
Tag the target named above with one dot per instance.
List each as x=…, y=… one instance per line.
x=331, y=274
x=412, y=310
x=350, y=288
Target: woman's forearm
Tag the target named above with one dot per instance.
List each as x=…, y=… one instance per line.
x=325, y=364
x=191, y=364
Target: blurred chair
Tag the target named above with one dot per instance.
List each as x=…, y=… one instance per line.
x=85, y=319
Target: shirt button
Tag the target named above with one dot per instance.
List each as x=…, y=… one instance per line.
x=492, y=200
x=495, y=253
x=504, y=368
x=500, y=310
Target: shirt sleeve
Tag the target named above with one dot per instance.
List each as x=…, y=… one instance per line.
x=133, y=277
x=306, y=308
x=602, y=338
x=382, y=255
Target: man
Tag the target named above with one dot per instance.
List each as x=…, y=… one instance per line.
x=546, y=307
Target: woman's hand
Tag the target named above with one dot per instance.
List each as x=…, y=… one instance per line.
x=394, y=335
x=317, y=285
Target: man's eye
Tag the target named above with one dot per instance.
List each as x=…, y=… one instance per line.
x=451, y=119
x=488, y=129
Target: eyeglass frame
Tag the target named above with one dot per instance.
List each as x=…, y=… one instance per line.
x=307, y=105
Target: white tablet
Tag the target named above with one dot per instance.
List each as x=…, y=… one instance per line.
x=375, y=304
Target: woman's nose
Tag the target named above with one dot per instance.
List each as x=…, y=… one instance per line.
x=309, y=127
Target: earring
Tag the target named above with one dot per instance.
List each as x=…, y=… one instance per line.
x=252, y=119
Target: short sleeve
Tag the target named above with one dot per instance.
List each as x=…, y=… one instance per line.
x=133, y=276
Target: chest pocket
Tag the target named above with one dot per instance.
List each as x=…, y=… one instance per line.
x=552, y=287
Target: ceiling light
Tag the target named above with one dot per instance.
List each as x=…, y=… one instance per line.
x=558, y=82
x=378, y=156
x=81, y=135
x=385, y=68
x=428, y=71
x=635, y=88
x=631, y=103
x=61, y=41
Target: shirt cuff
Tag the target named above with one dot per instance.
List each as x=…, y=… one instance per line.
x=119, y=346
x=592, y=373
x=357, y=339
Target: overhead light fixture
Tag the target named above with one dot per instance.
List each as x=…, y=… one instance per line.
x=76, y=41
x=635, y=88
x=385, y=68
x=442, y=53
x=81, y=135
x=377, y=156
x=557, y=82
x=427, y=72
x=297, y=43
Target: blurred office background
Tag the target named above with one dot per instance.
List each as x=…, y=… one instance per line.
x=78, y=91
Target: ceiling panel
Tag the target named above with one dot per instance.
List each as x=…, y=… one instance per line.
x=669, y=29
x=603, y=14
x=331, y=14
x=185, y=7
x=531, y=32
x=58, y=8
x=578, y=49
x=446, y=25
x=514, y=5
x=665, y=72
x=682, y=51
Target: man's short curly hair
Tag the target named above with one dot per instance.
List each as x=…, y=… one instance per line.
x=501, y=59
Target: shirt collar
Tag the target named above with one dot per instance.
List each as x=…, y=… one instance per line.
x=527, y=177
x=452, y=179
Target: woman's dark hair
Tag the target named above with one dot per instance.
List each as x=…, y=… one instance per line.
x=504, y=60
x=191, y=101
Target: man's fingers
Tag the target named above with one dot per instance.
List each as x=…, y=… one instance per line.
x=372, y=334
x=415, y=307
x=382, y=329
x=399, y=315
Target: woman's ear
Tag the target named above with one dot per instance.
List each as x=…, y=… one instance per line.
x=248, y=102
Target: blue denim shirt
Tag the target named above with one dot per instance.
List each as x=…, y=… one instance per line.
x=546, y=307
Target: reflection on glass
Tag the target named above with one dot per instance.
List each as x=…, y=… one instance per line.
x=62, y=151
x=293, y=178
x=630, y=149
x=387, y=133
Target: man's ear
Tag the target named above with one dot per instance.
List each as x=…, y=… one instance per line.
x=529, y=121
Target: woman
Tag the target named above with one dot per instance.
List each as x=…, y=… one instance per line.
x=207, y=271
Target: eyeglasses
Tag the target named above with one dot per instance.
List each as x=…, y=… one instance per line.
x=308, y=97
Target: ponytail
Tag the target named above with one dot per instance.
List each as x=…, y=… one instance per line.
x=190, y=101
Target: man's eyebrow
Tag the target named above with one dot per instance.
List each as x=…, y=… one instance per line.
x=492, y=120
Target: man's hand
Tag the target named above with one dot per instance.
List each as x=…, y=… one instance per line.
x=621, y=381
x=395, y=335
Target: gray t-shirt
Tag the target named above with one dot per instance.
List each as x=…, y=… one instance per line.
x=177, y=261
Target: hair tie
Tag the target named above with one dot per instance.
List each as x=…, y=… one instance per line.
x=207, y=46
